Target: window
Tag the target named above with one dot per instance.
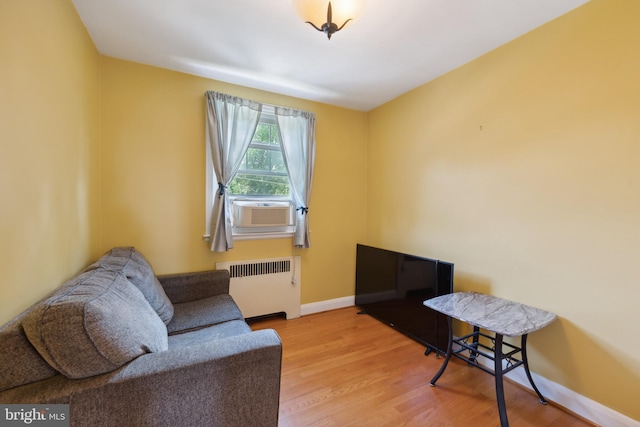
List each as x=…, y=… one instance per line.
x=259, y=167
x=260, y=192
x=262, y=172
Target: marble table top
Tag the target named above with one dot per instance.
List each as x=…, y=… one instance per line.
x=494, y=314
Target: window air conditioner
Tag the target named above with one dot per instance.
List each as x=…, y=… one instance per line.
x=252, y=214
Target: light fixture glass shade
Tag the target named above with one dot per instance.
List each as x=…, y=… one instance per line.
x=315, y=11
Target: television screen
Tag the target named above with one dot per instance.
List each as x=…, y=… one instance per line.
x=391, y=287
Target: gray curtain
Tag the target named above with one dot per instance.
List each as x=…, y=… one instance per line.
x=297, y=135
x=231, y=123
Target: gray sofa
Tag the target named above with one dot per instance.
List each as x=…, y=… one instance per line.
x=124, y=347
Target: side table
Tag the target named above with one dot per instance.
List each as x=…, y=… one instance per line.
x=500, y=317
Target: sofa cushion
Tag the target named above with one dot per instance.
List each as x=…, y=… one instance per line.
x=139, y=272
x=203, y=312
x=208, y=334
x=94, y=324
x=20, y=362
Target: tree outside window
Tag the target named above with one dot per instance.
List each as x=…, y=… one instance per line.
x=262, y=172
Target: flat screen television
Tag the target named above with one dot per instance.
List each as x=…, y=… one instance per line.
x=391, y=287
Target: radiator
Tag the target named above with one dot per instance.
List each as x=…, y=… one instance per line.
x=265, y=286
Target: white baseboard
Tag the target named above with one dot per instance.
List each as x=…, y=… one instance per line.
x=580, y=405
x=333, y=304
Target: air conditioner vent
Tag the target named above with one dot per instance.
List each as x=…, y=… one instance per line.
x=262, y=214
x=269, y=216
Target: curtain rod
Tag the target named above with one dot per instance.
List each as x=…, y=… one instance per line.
x=264, y=104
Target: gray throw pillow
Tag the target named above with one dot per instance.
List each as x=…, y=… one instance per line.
x=95, y=323
x=141, y=275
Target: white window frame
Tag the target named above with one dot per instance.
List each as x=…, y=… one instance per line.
x=257, y=233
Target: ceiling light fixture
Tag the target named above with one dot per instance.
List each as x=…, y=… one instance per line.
x=337, y=12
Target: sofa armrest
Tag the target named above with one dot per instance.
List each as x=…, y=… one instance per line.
x=229, y=382
x=233, y=381
x=185, y=287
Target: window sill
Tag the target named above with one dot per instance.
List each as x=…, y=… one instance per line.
x=286, y=233
x=263, y=236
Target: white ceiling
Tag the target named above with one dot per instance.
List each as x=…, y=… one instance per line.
x=394, y=47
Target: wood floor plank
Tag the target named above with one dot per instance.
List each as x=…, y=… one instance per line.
x=340, y=368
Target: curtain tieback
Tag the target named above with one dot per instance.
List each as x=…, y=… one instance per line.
x=221, y=189
x=303, y=209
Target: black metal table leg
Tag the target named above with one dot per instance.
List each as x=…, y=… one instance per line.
x=502, y=407
x=525, y=362
x=432, y=383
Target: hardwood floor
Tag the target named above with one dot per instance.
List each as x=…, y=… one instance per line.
x=344, y=369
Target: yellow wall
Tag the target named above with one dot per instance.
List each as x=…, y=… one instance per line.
x=48, y=149
x=153, y=177
x=522, y=167
x=62, y=207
